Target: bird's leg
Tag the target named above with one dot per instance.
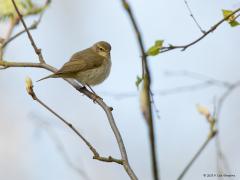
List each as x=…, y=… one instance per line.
x=91, y=89
x=83, y=87
x=95, y=97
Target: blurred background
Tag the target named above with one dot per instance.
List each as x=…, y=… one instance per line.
x=36, y=145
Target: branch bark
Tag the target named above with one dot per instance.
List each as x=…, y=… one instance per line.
x=92, y=96
x=99, y=101
x=36, y=49
x=203, y=146
x=212, y=29
x=94, y=151
x=147, y=78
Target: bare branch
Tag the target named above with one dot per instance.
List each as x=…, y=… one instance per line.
x=13, y=22
x=92, y=96
x=198, y=76
x=192, y=16
x=154, y=105
x=147, y=78
x=32, y=27
x=224, y=96
x=36, y=49
x=212, y=133
x=79, y=88
x=222, y=162
x=44, y=125
x=206, y=82
x=203, y=146
x=237, y=17
x=212, y=29
x=94, y=151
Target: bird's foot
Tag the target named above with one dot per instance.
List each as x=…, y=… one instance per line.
x=83, y=88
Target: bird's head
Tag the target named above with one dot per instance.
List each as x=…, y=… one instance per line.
x=102, y=48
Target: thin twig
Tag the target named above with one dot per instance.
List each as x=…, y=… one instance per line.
x=212, y=29
x=60, y=147
x=94, y=151
x=237, y=17
x=212, y=133
x=220, y=155
x=222, y=162
x=206, y=82
x=192, y=16
x=154, y=105
x=198, y=76
x=165, y=92
x=36, y=49
x=195, y=157
x=146, y=75
x=99, y=101
x=224, y=96
x=32, y=27
x=13, y=22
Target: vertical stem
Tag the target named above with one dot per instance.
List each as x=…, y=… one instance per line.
x=145, y=74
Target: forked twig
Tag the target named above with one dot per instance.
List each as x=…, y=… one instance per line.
x=192, y=16
x=212, y=29
x=36, y=49
x=79, y=88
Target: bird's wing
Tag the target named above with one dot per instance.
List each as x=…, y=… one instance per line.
x=81, y=61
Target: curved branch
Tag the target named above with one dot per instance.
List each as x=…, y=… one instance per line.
x=92, y=96
x=94, y=151
x=32, y=27
x=213, y=28
x=147, y=80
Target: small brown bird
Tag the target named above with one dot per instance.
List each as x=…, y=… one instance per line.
x=89, y=67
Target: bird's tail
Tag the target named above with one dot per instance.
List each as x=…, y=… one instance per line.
x=50, y=76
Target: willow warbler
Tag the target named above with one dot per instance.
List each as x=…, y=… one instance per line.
x=89, y=67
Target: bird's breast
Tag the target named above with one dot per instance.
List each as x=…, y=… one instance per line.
x=95, y=76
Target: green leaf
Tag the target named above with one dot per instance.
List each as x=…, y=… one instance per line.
x=155, y=49
x=232, y=19
x=138, y=81
x=234, y=23
x=26, y=7
x=7, y=9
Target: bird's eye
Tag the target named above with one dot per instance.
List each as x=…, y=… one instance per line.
x=101, y=49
